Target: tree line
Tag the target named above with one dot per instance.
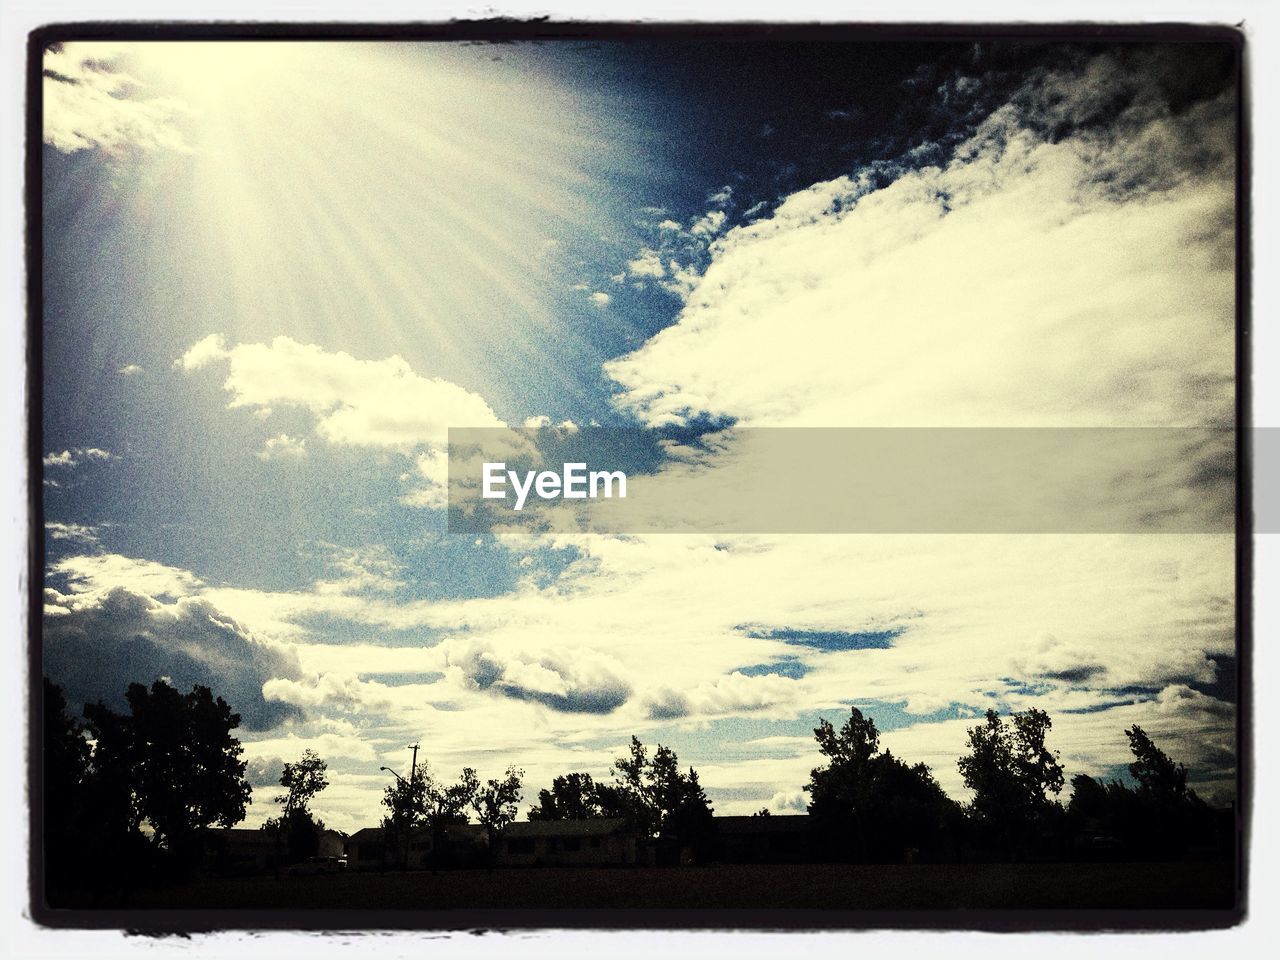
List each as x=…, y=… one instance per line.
x=129, y=795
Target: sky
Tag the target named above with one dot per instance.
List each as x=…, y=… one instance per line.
x=276, y=274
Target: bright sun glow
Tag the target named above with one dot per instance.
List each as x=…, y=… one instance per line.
x=447, y=203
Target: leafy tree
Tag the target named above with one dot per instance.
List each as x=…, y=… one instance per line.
x=1012, y=774
x=423, y=800
x=867, y=803
x=1155, y=819
x=302, y=780
x=296, y=827
x=1162, y=780
x=574, y=796
x=657, y=797
x=181, y=762
x=497, y=803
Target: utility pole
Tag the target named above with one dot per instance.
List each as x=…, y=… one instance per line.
x=413, y=779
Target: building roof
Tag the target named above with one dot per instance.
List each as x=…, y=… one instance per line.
x=593, y=827
x=775, y=823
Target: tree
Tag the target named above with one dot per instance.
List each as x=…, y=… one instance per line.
x=497, y=804
x=422, y=800
x=406, y=803
x=868, y=804
x=1012, y=773
x=296, y=826
x=183, y=767
x=302, y=780
x=66, y=773
x=1162, y=780
x=574, y=796
x=656, y=797
x=1155, y=819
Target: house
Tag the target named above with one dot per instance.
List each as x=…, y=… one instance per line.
x=563, y=843
x=374, y=848
x=772, y=839
x=461, y=844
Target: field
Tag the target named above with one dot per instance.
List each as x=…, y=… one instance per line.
x=806, y=894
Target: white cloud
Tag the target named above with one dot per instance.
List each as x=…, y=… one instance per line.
x=364, y=403
x=1016, y=285
x=600, y=299
x=647, y=264
x=372, y=403
x=730, y=695
x=77, y=532
x=73, y=458
x=574, y=681
x=89, y=101
x=708, y=225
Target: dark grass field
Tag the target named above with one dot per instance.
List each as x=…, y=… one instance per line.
x=805, y=887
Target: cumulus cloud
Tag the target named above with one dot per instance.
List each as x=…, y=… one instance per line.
x=91, y=102
x=369, y=403
x=730, y=695
x=364, y=403
x=98, y=642
x=328, y=692
x=1031, y=279
x=578, y=681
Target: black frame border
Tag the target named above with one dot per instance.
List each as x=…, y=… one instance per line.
x=506, y=30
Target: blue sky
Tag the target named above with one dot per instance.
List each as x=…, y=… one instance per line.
x=276, y=274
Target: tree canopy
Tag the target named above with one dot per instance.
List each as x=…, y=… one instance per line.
x=869, y=804
x=184, y=766
x=574, y=796
x=1012, y=773
x=300, y=829
x=656, y=796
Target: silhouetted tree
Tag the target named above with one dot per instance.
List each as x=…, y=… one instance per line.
x=1012, y=773
x=66, y=773
x=302, y=781
x=868, y=804
x=1155, y=819
x=1164, y=781
x=574, y=796
x=183, y=765
x=297, y=830
x=422, y=800
x=658, y=798
x=497, y=804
